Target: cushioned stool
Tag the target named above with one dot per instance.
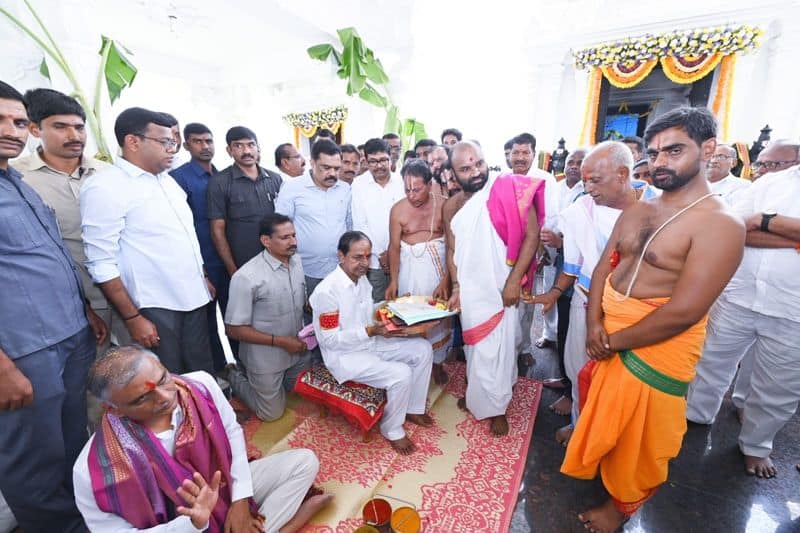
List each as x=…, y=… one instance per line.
x=360, y=404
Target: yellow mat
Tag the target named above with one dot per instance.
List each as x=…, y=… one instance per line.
x=461, y=478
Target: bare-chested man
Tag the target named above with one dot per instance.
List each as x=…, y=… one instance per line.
x=480, y=249
x=417, y=262
x=665, y=263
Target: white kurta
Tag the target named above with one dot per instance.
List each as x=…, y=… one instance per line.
x=402, y=366
x=553, y=192
x=756, y=316
x=480, y=258
x=586, y=227
x=371, y=206
x=277, y=483
x=422, y=267
x=728, y=187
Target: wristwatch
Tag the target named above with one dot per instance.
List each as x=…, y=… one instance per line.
x=766, y=216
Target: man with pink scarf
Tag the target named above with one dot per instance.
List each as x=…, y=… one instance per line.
x=493, y=232
x=169, y=455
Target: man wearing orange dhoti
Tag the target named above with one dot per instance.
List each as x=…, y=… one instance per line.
x=666, y=262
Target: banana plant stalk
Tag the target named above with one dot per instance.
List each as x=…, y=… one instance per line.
x=114, y=67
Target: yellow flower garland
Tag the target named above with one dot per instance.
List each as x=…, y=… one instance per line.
x=628, y=76
x=681, y=43
x=677, y=69
x=326, y=118
x=589, y=127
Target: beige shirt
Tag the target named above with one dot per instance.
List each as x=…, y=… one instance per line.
x=268, y=296
x=61, y=192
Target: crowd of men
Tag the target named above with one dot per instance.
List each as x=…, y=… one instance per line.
x=665, y=277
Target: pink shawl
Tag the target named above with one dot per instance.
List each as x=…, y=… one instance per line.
x=510, y=199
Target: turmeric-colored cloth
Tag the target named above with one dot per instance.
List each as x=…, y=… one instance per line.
x=630, y=429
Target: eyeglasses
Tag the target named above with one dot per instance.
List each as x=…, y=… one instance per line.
x=168, y=144
x=720, y=157
x=771, y=165
x=384, y=161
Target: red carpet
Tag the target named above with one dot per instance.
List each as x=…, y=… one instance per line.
x=460, y=479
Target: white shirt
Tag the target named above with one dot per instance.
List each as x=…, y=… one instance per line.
x=371, y=205
x=767, y=280
x=138, y=226
x=284, y=176
x=728, y=187
x=558, y=197
x=242, y=483
x=352, y=303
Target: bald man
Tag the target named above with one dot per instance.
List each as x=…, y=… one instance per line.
x=169, y=455
x=586, y=225
x=486, y=233
x=718, y=173
x=779, y=155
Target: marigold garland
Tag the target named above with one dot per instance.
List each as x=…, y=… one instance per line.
x=725, y=94
x=629, y=74
x=689, y=69
x=744, y=154
x=681, y=43
x=589, y=127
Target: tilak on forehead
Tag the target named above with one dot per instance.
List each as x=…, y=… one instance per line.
x=150, y=385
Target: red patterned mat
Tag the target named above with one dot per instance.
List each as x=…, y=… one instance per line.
x=461, y=478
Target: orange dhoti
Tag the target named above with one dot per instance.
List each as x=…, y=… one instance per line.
x=635, y=415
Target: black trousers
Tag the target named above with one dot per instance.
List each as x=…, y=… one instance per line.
x=39, y=443
x=221, y=281
x=184, y=345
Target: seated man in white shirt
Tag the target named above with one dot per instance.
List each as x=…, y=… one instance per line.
x=169, y=456
x=354, y=348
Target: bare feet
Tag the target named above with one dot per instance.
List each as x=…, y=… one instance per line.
x=562, y=406
x=564, y=434
x=440, y=377
x=499, y=425
x=603, y=519
x=423, y=420
x=307, y=510
x=403, y=446
x=462, y=404
x=759, y=466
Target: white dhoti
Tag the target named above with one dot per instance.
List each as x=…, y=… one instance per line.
x=400, y=366
x=550, y=329
x=480, y=257
x=575, y=356
x=280, y=482
x=774, y=392
x=422, y=267
x=492, y=369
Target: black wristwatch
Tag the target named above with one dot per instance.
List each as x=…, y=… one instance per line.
x=765, y=218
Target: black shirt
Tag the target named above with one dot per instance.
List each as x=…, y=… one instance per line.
x=242, y=203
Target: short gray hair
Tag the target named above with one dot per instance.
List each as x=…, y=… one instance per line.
x=618, y=153
x=116, y=368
